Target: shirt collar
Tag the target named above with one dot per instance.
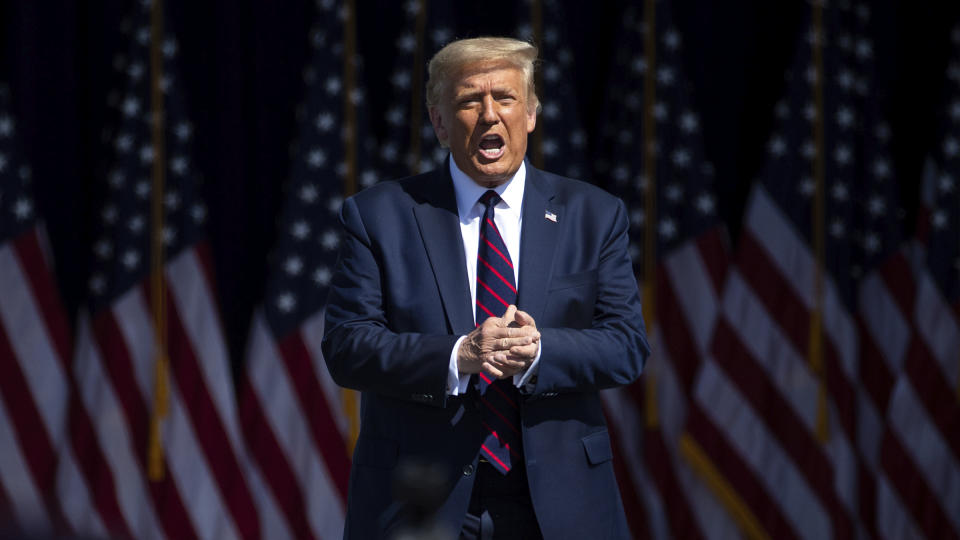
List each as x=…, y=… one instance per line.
x=468, y=192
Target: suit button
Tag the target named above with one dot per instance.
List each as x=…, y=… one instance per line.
x=467, y=469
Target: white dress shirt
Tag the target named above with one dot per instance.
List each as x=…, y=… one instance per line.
x=508, y=217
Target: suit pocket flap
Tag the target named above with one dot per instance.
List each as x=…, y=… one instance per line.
x=598, y=448
x=376, y=452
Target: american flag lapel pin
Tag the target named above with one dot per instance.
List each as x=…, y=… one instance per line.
x=550, y=216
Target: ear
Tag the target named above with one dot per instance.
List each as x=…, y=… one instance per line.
x=531, y=120
x=437, y=120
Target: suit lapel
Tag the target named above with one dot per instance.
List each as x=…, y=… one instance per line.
x=439, y=225
x=538, y=242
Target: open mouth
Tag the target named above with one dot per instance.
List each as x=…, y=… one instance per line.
x=492, y=146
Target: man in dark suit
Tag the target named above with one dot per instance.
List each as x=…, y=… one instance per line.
x=479, y=308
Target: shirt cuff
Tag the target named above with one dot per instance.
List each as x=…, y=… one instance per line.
x=456, y=385
x=527, y=380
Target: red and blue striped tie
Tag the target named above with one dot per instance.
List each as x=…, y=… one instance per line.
x=496, y=289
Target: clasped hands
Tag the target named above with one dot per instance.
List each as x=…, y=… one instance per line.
x=500, y=346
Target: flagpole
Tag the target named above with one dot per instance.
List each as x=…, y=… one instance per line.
x=536, y=23
x=155, y=458
x=416, y=90
x=348, y=397
x=815, y=347
x=650, y=197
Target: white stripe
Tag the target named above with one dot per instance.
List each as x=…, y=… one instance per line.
x=188, y=463
x=870, y=425
x=198, y=314
x=789, y=252
x=198, y=488
x=32, y=346
x=136, y=328
x=722, y=403
x=940, y=331
x=289, y=423
x=671, y=402
x=756, y=330
x=839, y=449
x=893, y=521
x=15, y=478
x=886, y=324
x=312, y=333
x=74, y=497
x=273, y=524
x=110, y=425
x=694, y=291
x=923, y=441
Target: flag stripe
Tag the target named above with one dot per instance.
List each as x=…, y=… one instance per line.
x=201, y=412
x=18, y=490
x=312, y=398
x=913, y=487
x=103, y=402
x=756, y=509
x=44, y=291
x=118, y=368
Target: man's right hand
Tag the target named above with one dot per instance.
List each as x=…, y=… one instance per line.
x=487, y=348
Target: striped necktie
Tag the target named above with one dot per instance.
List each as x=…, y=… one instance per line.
x=496, y=290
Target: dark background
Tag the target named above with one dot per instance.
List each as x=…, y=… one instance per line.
x=242, y=63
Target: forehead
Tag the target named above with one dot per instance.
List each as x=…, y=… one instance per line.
x=481, y=74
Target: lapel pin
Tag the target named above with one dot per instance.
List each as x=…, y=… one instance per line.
x=551, y=216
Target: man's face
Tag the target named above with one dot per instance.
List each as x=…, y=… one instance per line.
x=484, y=119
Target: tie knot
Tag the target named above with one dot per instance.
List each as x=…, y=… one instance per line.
x=490, y=198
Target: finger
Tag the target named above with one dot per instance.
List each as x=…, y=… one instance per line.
x=488, y=368
x=514, y=332
x=524, y=319
x=504, y=361
x=524, y=351
x=509, y=314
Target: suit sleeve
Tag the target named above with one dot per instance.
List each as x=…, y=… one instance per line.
x=360, y=349
x=613, y=350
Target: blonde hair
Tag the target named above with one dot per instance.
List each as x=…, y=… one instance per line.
x=447, y=63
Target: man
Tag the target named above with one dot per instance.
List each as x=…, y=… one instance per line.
x=479, y=308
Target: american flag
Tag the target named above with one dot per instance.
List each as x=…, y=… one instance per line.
x=560, y=138
x=294, y=417
x=920, y=450
x=35, y=346
x=647, y=418
x=776, y=425
x=202, y=492
x=411, y=145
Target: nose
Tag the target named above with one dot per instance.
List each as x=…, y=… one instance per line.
x=488, y=114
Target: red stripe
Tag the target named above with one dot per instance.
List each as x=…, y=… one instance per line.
x=494, y=270
x=714, y=248
x=497, y=296
x=793, y=319
x=900, y=282
x=497, y=389
x=629, y=492
x=503, y=465
x=660, y=466
x=780, y=420
x=499, y=415
x=484, y=308
x=43, y=287
x=939, y=398
x=739, y=475
x=94, y=467
x=28, y=424
x=495, y=229
x=922, y=503
x=207, y=424
x=677, y=337
x=497, y=437
x=867, y=497
x=272, y=461
x=500, y=253
x=118, y=365
x=875, y=376
x=313, y=401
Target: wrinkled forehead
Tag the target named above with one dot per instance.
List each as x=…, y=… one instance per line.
x=472, y=74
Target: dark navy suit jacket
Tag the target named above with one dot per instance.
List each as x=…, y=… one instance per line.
x=400, y=300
